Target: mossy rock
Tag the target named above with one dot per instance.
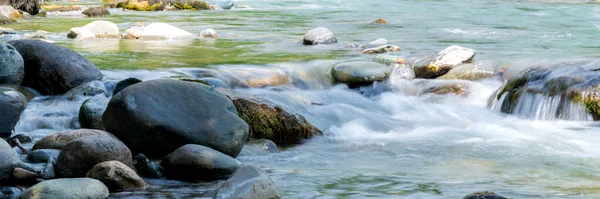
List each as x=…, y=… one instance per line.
x=156, y=5
x=7, y=20
x=96, y=12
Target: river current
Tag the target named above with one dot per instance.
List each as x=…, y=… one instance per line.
x=382, y=141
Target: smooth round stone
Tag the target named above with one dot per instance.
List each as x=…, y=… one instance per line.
x=12, y=66
x=319, y=36
x=247, y=182
x=67, y=188
x=226, y=5
x=377, y=43
x=359, y=73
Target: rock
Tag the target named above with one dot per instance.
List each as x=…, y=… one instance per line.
x=242, y=6
x=90, y=113
x=80, y=155
x=4, y=31
x=24, y=177
x=269, y=121
x=96, y=12
x=29, y=93
x=9, y=161
x=164, y=31
x=214, y=82
x=208, y=33
x=125, y=83
x=387, y=59
x=256, y=77
x=471, y=72
x=39, y=35
x=80, y=33
x=401, y=72
x=147, y=168
x=259, y=147
x=226, y=5
x=247, y=182
x=359, y=73
x=67, y=188
x=377, y=43
x=157, y=5
x=381, y=49
x=116, y=176
x=42, y=155
x=442, y=87
x=48, y=170
x=483, y=195
x=23, y=139
x=132, y=33
x=380, y=21
x=319, y=36
x=57, y=8
x=10, y=192
x=42, y=13
x=149, y=118
x=193, y=162
x=12, y=104
x=103, y=29
x=9, y=11
x=52, y=69
x=28, y=6
x=89, y=89
x=438, y=65
x=7, y=20
x=60, y=139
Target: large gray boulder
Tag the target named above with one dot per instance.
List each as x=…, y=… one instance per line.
x=52, y=69
x=9, y=160
x=195, y=162
x=67, y=188
x=90, y=112
x=80, y=155
x=319, y=36
x=248, y=182
x=12, y=66
x=116, y=176
x=60, y=139
x=158, y=116
x=359, y=73
x=12, y=104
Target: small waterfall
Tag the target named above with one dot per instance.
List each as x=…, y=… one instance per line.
x=541, y=107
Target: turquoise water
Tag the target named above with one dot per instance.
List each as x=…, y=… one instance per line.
x=392, y=144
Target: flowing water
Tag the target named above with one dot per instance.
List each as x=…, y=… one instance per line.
x=384, y=141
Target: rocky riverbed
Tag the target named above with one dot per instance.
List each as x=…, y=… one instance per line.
x=298, y=99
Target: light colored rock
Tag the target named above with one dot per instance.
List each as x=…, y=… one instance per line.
x=377, y=43
x=132, y=33
x=319, y=36
x=9, y=11
x=81, y=34
x=437, y=65
x=226, y=5
x=242, y=6
x=475, y=71
x=256, y=77
x=116, y=176
x=164, y=31
x=40, y=34
x=4, y=30
x=103, y=29
x=208, y=33
x=381, y=49
x=248, y=182
x=387, y=59
x=359, y=73
x=67, y=188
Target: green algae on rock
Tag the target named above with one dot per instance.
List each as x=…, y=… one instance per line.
x=157, y=5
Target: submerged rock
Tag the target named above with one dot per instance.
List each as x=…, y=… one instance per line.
x=146, y=167
x=9, y=160
x=438, y=65
x=89, y=89
x=6, y=31
x=319, y=36
x=381, y=49
x=12, y=104
x=248, y=182
x=193, y=162
x=380, y=21
x=483, y=195
x=475, y=71
x=60, y=139
x=96, y=12
x=7, y=20
x=377, y=43
x=164, y=31
x=80, y=155
x=90, y=112
x=151, y=118
x=442, y=87
x=387, y=59
x=255, y=77
x=269, y=121
x=52, y=69
x=573, y=87
x=67, y=188
x=125, y=83
x=359, y=73
x=208, y=33
x=100, y=29
x=116, y=176
x=80, y=33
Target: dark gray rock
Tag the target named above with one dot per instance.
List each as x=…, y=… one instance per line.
x=96, y=12
x=21, y=138
x=12, y=67
x=146, y=167
x=116, y=176
x=90, y=113
x=24, y=177
x=154, y=118
x=60, y=139
x=319, y=36
x=125, y=83
x=12, y=104
x=359, y=73
x=42, y=155
x=67, y=188
x=9, y=192
x=52, y=69
x=9, y=160
x=195, y=162
x=248, y=182
x=483, y=195
x=30, y=6
x=80, y=155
